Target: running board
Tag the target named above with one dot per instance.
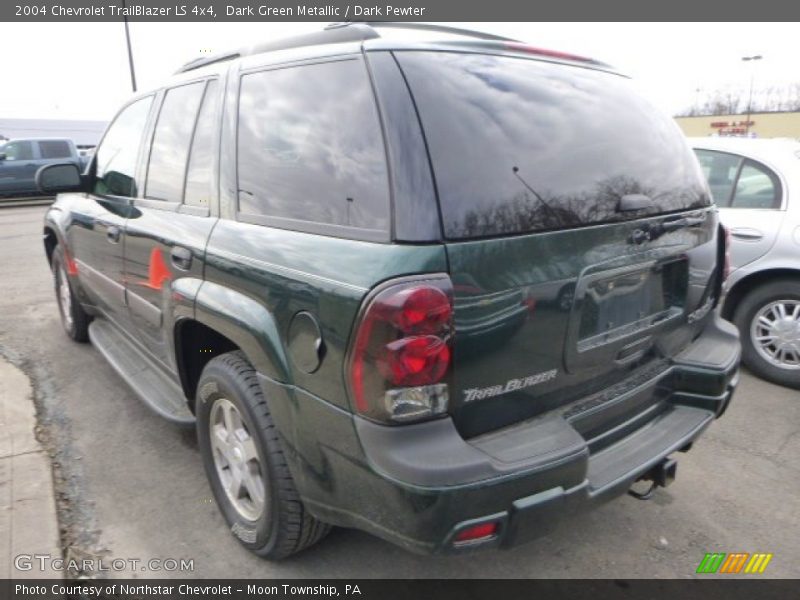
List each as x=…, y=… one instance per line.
x=152, y=386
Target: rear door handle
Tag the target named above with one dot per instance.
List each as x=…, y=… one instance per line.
x=747, y=233
x=181, y=258
x=113, y=233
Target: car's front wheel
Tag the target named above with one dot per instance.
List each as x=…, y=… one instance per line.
x=768, y=319
x=73, y=317
x=245, y=463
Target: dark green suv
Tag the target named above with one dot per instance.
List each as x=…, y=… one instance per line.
x=442, y=292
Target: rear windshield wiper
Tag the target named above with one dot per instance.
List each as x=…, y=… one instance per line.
x=659, y=229
x=653, y=232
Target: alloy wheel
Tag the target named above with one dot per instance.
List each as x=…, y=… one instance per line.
x=237, y=460
x=775, y=332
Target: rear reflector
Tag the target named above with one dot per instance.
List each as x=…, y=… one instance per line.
x=476, y=533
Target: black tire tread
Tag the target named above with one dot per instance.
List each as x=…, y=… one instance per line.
x=81, y=320
x=298, y=528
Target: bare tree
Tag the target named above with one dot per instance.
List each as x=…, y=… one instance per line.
x=732, y=101
x=793, y=97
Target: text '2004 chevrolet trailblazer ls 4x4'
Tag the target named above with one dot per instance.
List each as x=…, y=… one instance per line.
x=442, y=292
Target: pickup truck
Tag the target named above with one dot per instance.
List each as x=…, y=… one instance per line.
x=21, y=158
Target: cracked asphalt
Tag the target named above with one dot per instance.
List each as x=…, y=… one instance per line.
x=131, y=486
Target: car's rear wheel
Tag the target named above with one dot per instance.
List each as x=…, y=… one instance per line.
x=768, y=319
x=74, y=319
x=245, y=463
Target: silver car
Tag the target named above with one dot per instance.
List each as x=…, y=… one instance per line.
x=756, y=185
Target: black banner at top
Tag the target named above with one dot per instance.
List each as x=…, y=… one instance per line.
x=395, y=10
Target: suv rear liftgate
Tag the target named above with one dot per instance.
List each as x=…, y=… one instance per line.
x=586, y=261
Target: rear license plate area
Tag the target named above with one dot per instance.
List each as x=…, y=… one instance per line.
x=618, y=312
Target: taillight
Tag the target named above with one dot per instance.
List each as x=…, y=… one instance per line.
x=401, y=352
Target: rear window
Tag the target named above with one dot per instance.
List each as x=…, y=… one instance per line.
x=55, y=149
x=520, y=145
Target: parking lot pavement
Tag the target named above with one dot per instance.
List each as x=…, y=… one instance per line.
x=133, y=487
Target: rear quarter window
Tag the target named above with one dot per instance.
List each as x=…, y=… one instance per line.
x=310, y=149
x=520, y=145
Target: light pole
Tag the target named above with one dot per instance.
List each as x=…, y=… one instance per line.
x=750, y=95
x=130, y=52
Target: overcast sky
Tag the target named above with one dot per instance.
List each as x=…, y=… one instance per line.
x=80, y=71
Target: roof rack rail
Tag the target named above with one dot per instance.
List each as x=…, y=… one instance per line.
x=480, y=35
x=349, y=31
x=206, y=60
x=355, y=32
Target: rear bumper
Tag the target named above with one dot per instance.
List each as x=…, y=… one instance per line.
x=420, y=485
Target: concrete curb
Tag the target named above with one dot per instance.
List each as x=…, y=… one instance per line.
x=28, y=524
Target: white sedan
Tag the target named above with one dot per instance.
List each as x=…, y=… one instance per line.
x=756, y=185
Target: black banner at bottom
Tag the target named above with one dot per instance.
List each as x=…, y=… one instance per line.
x=391, y=589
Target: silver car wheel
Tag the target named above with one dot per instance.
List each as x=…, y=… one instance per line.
x=64, y=298
x=775, y=332
x=236, y=460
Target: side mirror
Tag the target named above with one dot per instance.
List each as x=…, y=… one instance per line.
x=2, y=155
x=52, y=179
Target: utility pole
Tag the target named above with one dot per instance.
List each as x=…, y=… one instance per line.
x=750, y=95
x=130, y=52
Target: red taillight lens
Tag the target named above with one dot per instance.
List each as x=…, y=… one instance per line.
x=476, y=532
x=415, y=360
x=401, y=352
x=421, y=310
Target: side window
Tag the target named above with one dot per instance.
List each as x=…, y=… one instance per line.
x=173, y=135
x=756, y=187
x=116, y=156
x=54, y=149
x=198, y=176
x=310, y=147
x=18, y=151
x=720, y=169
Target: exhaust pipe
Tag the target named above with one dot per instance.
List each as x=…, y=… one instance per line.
x=661, y=476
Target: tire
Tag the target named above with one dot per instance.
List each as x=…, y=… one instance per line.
x=566, y=297
x=74, y=319
x=282, y=526
x=764, y=301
